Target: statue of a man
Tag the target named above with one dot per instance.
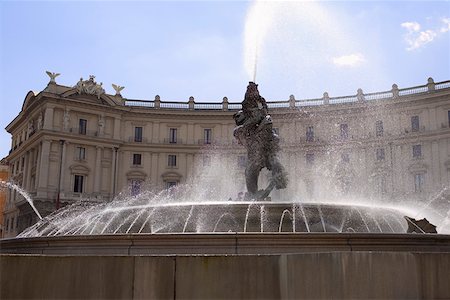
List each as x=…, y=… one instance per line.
x=255, y=131
x=39, y=121
x=30, y=127
x=101, y=125
x=79, y=86
x=66, y=120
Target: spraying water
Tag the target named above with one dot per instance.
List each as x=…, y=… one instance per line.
x=285, y=40
x=22, y=192
x=258, y=22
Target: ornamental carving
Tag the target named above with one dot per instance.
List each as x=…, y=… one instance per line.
x=89, y=87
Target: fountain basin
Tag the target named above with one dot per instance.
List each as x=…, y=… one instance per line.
x=240, y=217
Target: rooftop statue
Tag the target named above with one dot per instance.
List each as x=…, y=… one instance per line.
x=52, y=76
x=255, y=131
x=89, y=87
x=118, y=89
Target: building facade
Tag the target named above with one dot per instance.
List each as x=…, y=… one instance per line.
x=4, y=177
x=70, y=143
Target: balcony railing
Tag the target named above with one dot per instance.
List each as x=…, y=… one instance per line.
x=205, y=142
x=207, y=106
x=85, y=132
x=174, y=105
x=173, y=141
x=395, y=92
x=132, y=139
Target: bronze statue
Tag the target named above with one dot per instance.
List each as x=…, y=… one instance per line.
x=420, y=226
x=255, y=131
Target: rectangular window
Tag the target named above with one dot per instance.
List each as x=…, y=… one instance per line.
x=78, y=184
x=7, y=224
x=344, y=131
x=137, y=159
x=415, y=123
x=380, y=154
x=22, y=164
x=206, y=160
x=207, y=135
x=172, y=135
x=448, y=113
x=310, y=134
x=379, y=130
x=309, y=158
x=83, y=126
x=172, y=160
x=345, y=157
x=242, y=161
x=419, y=182
x=170, y=184
x=381, y=185
x=81, y=153
x=135, y=187
x=417, y=151
x=138, y=134
x=12, y=223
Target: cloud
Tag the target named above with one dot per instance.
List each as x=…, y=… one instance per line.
x=411, y=26
x=351, y=60
x=446, y=25
x=416, y=38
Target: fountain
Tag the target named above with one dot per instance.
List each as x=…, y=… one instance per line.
x=191, y=243
x=181, y=211
x=178, y=243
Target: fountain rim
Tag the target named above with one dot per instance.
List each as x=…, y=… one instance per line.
x=255, y=243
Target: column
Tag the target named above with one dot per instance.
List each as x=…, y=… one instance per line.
x=189, y=166
x=113, y=170
x=123, y=162
x=48, y=118
x=224, y=134
x=435, y=180
x=44, y=165
x=155, y=177
x=442, y=158
x=155, y=135
x=38, y=166
x=29, y=167
x=98, y=170
x=190, y=134
x=63, y=167
x=25, y=171
x=116, y=134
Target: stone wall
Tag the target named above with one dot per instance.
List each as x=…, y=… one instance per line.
x=338, y=275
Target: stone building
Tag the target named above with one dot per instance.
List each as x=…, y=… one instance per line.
x=4, y=176
x=78, y=142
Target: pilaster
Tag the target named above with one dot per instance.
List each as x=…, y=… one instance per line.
x=63, y=166
x=44, y=166
x=113, y=171
x=48, y=118
x=98, y=170
x=116, y=128
x=154, y=170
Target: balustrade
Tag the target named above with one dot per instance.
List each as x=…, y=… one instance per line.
x=225, y=105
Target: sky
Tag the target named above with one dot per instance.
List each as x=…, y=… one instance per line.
x=211, y=49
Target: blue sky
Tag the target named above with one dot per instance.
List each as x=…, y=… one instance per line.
x=206, y=49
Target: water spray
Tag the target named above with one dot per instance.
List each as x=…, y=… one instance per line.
x=22, y=192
